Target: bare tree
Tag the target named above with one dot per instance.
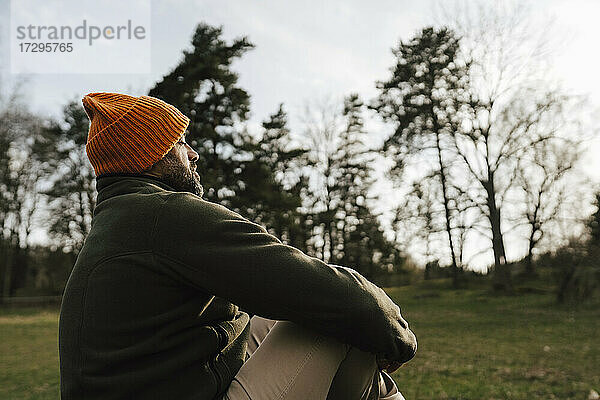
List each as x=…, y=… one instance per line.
x=506, y=110
x=322, y=123
x=19, y=187
x=421, y=99
x=416, y=222
x=544, y=179
x=347, y=231
x=72, y=191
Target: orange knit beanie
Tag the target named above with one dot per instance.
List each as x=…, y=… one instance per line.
x=130, y=134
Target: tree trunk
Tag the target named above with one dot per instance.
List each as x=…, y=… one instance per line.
x=529, y=267
x=455, y=269
x=502, y=277
x=8, y=273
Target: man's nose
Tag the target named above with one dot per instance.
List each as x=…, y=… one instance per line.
x=192, y=155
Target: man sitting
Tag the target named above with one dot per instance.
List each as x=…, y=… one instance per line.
x=153, y=306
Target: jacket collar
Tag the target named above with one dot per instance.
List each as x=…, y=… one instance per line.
x=116, y=184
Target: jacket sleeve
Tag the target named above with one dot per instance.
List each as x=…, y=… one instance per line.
x=224, y=254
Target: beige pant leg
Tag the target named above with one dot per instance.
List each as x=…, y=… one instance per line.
x=259, y=328
x=289, y=362
x=355, y=377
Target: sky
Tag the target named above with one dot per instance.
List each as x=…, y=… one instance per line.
x=305, y=50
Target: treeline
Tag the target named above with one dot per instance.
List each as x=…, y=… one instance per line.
x=315, y=198
x=482, y=153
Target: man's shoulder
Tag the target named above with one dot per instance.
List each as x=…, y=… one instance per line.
x=190, y=206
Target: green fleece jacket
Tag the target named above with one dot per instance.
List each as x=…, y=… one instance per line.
x=153, y=306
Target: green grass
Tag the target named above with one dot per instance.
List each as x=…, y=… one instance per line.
x=29, y=354
x=472, y=345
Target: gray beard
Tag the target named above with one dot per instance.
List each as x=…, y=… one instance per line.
x=179, y=177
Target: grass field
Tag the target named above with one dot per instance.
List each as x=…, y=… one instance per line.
x=472, y=345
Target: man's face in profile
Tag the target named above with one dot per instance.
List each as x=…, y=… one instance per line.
x=178, y=169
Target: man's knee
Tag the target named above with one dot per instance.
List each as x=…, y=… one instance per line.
x=357, y=377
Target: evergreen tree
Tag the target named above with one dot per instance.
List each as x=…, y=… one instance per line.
x=348, y=231
x=271, y=186
x=204, y=88
x=361, y=240
x=236, y=170
x=422, y=99
x=72, y=192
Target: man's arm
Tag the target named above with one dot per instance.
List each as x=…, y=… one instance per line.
x=230, y=257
